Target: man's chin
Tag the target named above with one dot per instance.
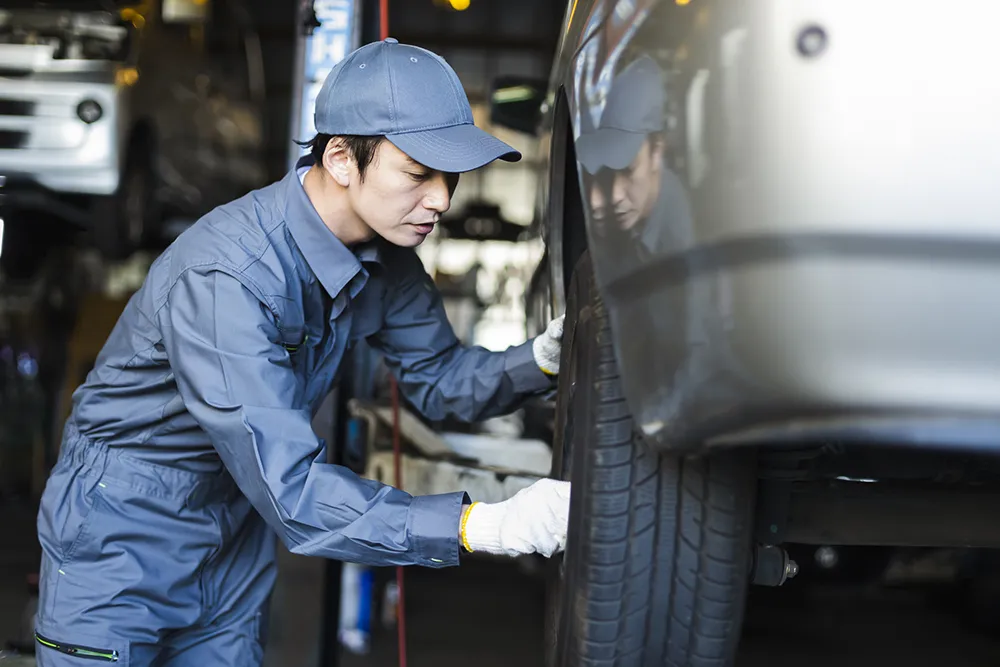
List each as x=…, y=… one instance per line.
x=627, y=221
x=408, y=239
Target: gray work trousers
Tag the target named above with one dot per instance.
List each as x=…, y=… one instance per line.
x=145, y=564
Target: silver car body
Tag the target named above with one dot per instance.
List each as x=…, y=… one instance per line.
x=823, y=259
x=203, y=125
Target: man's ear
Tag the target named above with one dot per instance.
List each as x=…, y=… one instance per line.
x=338, y=162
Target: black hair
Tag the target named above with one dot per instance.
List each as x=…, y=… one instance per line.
x=361, y=147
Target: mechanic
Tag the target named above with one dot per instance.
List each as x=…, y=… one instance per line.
x=190, y=443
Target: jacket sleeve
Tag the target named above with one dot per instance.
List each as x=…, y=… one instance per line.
x=236, y=380
x=439, y=375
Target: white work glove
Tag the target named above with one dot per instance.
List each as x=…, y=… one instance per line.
x=547, y=347
x=534, y=520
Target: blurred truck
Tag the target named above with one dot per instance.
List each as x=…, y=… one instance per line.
x=117, y=115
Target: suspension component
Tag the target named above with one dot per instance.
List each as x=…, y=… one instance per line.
x=771, y=566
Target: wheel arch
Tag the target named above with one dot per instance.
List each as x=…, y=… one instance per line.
x=567, y=237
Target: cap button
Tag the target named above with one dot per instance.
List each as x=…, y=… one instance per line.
x=391, y=40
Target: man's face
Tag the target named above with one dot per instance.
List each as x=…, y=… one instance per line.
x=634, y=190
x=399, y=199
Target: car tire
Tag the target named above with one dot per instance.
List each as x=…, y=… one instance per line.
x=655, y=570
x=124, y=222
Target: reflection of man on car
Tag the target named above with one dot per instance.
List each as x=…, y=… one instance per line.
x=635, y=199
x=641, y=209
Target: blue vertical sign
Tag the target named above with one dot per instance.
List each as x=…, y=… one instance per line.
x=331, y=41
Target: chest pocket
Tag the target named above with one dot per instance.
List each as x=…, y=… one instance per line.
x=293, y=339
x=293, y=333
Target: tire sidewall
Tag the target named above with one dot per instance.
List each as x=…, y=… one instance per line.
x=593, y=429
x=569, y=461
x=113, y=232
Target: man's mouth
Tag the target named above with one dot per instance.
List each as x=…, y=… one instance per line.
x=424, y=228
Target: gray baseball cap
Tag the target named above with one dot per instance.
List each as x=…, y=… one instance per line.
x=633, y=110
x=413, y=98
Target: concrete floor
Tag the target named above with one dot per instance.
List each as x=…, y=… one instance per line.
x=501, y=624
x=19, y=554
x=490, y=614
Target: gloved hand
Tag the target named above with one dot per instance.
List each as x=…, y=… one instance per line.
x=547, y=347
x=534, y=520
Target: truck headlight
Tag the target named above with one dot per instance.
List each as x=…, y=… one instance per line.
x=89, y=111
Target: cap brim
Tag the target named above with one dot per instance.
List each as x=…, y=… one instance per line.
x=608, y=149
x=454, y=149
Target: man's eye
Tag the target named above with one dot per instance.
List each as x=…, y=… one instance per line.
x=418, y=177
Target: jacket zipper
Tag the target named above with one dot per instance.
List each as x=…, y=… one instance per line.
x=106, y=655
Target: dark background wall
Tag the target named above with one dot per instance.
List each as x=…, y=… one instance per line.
x=489, y=38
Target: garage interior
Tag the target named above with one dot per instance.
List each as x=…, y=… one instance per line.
x=60, y=297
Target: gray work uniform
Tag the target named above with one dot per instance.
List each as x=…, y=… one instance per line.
x=190, y=444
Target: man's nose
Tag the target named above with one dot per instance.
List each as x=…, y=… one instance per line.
x=438, y=197
x=619, y=191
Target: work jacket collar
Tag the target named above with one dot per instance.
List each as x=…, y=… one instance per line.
x=333, y=263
